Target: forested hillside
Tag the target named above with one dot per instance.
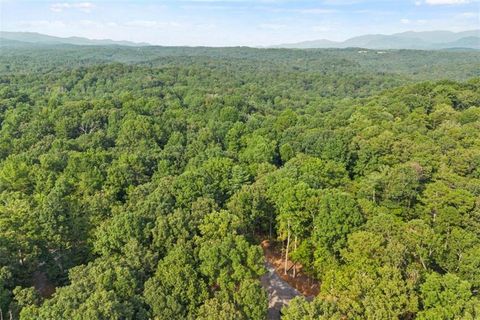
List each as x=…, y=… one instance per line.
x=136, y=183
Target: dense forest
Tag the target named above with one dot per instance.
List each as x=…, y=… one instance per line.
x=137, y=183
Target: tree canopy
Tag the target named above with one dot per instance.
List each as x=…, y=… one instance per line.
x=135, y=183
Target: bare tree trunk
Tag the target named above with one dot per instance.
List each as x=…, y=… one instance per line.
x=295, y=265
x=288, y=245
x=270, y=227
x=1, y=314
x=423, y=263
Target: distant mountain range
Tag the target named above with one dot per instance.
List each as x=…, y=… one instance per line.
x=429, y=40
x=19, y=38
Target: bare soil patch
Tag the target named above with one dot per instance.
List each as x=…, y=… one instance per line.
x=304, y=284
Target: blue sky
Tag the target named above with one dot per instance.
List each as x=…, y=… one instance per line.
x=235, y=22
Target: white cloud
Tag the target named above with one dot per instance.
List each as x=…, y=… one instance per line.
x=89, y=23
x=82, y=6
x=321, y=28
x=417, y=22
x=315, y=11
x=445, y=2
x=342, y=2
x=469, y=15
x=303, y=10
x=153, y=24
x=42, y=24
x=142, y=23
x=273, y=26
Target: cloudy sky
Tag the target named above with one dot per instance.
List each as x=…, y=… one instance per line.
x=235, y=22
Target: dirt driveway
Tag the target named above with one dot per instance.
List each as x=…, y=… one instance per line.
x=279, y=292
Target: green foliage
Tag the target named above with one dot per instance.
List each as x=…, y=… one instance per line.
x=175, y=291
x=252, y=299
x=300, y=309
x=448, y=297
x=258, y=149
x=338, y=215
x=215, y=309
x=103, y=289
x=227, y=261
x=382, y=294
x=5, y=293
x=139, y=181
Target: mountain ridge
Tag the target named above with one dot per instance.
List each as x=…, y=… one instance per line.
x=427, y=40
x=39, y=38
